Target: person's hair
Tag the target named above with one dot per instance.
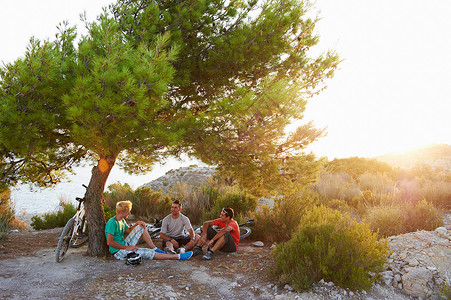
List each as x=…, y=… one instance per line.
x=228, y=212
x=178, y=203
x=123, y=205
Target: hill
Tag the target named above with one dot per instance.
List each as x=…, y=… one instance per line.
x=436, y=156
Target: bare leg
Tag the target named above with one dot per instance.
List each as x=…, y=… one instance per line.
x=192, y=243
x=148, y=240
x=160, y=256
x=219, y=244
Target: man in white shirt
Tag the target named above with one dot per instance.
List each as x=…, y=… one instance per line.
x=177, y=232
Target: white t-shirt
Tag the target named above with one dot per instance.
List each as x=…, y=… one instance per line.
x=174, y=227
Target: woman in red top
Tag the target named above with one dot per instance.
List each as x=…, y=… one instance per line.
x=226, y=239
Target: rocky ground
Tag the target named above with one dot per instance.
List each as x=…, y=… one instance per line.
x=418, y=266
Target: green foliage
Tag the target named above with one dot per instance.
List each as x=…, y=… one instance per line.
x=446, y=290
x=399, y=219
x=241, y=202
x=423, y=216
x=194, y=201
x=357, y=166
x=437, y=192
x=56, y=219
x=279, y=222
x=339, y=186
x=376, y=183
x=388, y=220
x=6, y=213
x=109, y=211
x=142, y=84
x=333, y=247
x=147, y=205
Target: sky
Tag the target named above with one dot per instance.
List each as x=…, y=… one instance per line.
x=390, y=94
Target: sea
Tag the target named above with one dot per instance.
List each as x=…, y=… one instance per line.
x=29, y=199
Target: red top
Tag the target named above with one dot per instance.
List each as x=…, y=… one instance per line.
x=235, y=233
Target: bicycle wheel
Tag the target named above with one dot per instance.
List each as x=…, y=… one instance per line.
x=244, y=232
x=80, y=237
x=155, y=234
x=197, y=230
x=64, y=240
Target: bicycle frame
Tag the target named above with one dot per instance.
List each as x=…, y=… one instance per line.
x=78, y=218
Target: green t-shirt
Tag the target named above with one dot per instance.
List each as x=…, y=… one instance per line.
x=117, y=229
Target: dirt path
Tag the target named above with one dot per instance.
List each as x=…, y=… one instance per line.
x=30, y=272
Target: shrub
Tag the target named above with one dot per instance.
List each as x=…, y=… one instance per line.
x=330, y=246
x=194, y=201
x=399, y=219
x=388, y=220
x=6, y=213
x=376, y=183
x=117, y=192
x=422, y=216
x=438, y=193
x=147, y=204
x=278, y=223
x=55, y=219
x=337, y=186
x=241, y=202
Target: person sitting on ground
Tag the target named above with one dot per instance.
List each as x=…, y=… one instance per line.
x=174, y=229
x=225, y=240
x=120, y=247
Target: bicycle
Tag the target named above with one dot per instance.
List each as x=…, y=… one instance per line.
x=244, y=230
x=74, y=233
x=154, y=229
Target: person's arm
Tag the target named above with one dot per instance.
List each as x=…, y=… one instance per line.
x=167, y=238
x=112, y=243
x=140, y=223
x=205, y=226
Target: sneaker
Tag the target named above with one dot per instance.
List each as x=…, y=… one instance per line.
x=168, y=251
x=208, y=255
x=158, y=250
x=197, y=251
x=186, y=255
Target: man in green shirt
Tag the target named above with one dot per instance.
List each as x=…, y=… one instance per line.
x=120, y=247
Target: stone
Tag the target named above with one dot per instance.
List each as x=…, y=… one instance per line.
x=258, y=244
x=442, y=232
x=415, y=281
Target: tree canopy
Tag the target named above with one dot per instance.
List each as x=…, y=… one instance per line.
x=218, y=80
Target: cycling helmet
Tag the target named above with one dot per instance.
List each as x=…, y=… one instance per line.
x=133, y=258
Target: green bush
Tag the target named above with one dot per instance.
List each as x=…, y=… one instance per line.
x=278, y=223
x=147, y=204
x=388, y=220
x=339, y=186
x=422, y=216
x=404, y=218
x=55, y=219
x=330, y=246
x=438, y=193
x=194, y=201
x=243, y=204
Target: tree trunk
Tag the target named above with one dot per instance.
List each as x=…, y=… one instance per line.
x=94, y=208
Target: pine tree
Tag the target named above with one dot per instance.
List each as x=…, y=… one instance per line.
x=219, y=80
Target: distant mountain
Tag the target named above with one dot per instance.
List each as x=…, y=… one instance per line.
x=193, y=176
x=436, y=156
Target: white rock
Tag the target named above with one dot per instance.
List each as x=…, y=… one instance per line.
x=258, y=244
x=415, y=281
x=442, y=232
